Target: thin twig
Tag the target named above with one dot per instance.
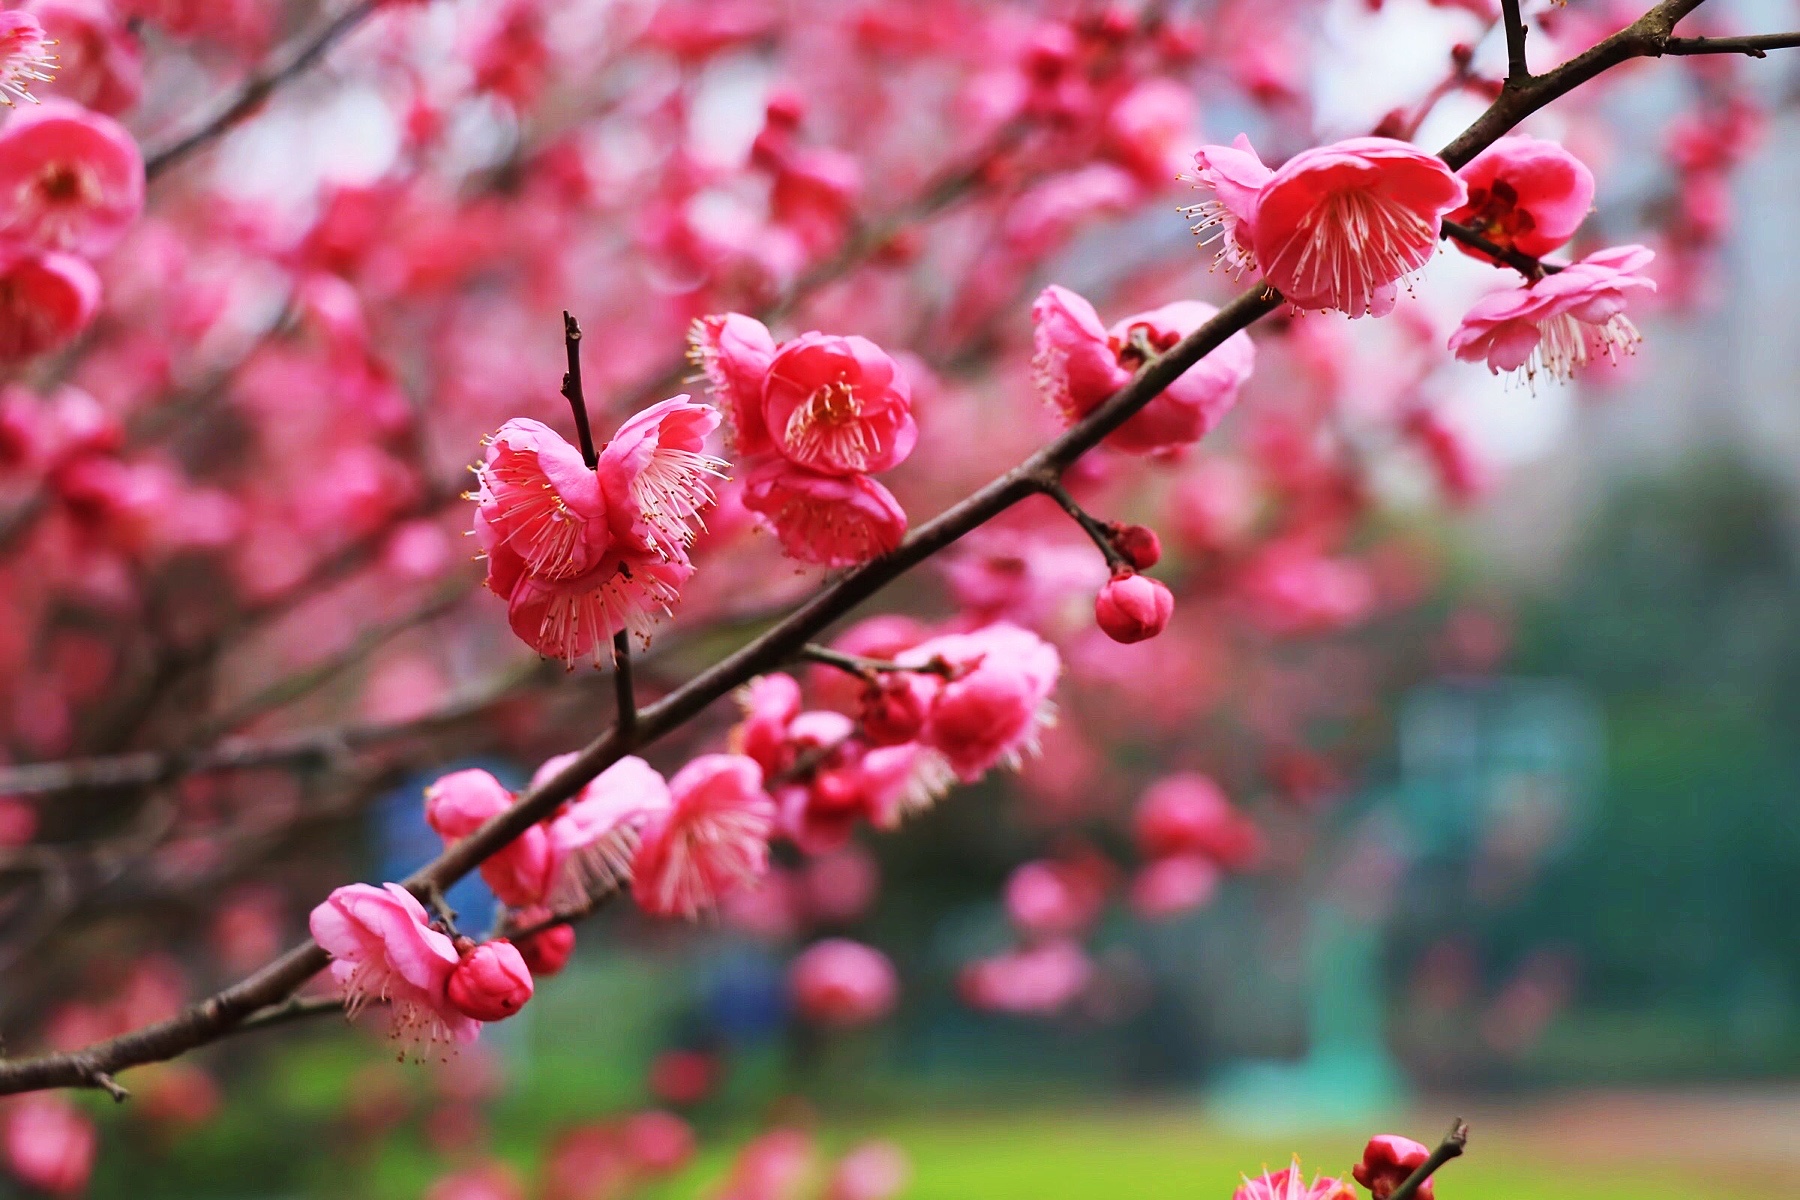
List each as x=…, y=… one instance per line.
x=1451, y=1147
x=1524, y=264
x=259, y=87
x=862, y=667
x=1756, y=45
x=1517, y=72
x=1092, y=526
x=624, y=693
x=571, y=390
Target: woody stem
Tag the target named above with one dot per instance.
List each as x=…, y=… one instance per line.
x=571, y=390
x=1091, y=525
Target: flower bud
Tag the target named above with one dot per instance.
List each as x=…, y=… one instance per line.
x=1139, y=544
x=547, y=951
x=1387, y=1161
x=491, y=983
x=1133, y=608
x=894, y=709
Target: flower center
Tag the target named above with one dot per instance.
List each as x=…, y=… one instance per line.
x=1356, y=241
x=65, y=184
x=1498, y=217
x=829, y=429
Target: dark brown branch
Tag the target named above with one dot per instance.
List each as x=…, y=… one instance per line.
x=1755, y=45
x=571, y=390
x=290, y=1011
x=1090, y=525
x=1524, y=264
x=212, y=1018
x=1451, y=1147
x=259, y=87
x=858, y=665
x=1517, y=72
x=624, y=693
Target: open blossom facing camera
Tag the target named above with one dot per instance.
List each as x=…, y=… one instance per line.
x=1077, y=363
x=1335, y=227
x=812, y=419
x=581, y=553
x=1557, y=323
x=1524, y=194
x=383, y=948
x=70, y=179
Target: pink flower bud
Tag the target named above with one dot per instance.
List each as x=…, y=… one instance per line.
x=491, y=982
x=1386, y=1163
x=658, y=1141
x=1133, y=608
x=843, y=983
x=1139, y=544
x=547, y=951
x=894, y=708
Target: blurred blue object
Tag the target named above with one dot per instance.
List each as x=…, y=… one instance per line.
x=744, y=994
x=404, y=842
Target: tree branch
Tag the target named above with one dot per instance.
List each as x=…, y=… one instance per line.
x=212, y=1018
x=1524, y=264
x=1090, y=525
x=259, y=87
x=1756, y=45
x=1517, y=72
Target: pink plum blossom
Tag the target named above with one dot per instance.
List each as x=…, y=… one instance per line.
x=1335, y=227
x=592, y=838
x=25, y=57
x=1047, y=899
x=843, y=983
x=1524, y=194
x=998, y=700
x=491, y=983
x=1289, y=1184
x=838, y=406
x=1387, y=1162
x=576, y=618
x=1188, y=813
x=654, y=475
x=1173, y=885
x=1039, y=981
x=547, y=951
x=831, y=520
x=657, y=1141
x=521, y=872
x=713, y=837
x=1133, y=608
x=1077, y=364
x=49, y=1143
x=540, y=502
x=70, y=179
x=1235, y=175
x=383, y=948
x=45, y=300
x=99, y=64
x=874, y=1170
x=734, y=352
x=1557, y=323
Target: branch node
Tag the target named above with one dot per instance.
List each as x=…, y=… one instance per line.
x=109, y=1085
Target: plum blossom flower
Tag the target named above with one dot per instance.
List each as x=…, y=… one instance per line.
x=383, y=948
x=1170, y=886
x=547, y=951
x=576, y=618
x=838, y=405
x=70, y=179
x=840, y=982
x=25, y=57
x=831, y=520
x=100, y=65
x=654, y=474
x=871, y=1171
x=49, y=1143
x=491, y=983
x=1524, y=194
x=1387, y=1162
x=1289, y=1184
x=1235, y=175
x=713, y=837
x=1557, y=323
x=593, y=837
x=734, y=352
x=519, y=873
x=1133, y=608
x=997, y=700
x=1335, y=227
x=45, y=299
x=1077, y=364
x=1039, y=980
x=541, y=502
x=1187, y=813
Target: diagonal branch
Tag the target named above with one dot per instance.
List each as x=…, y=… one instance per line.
x=259, y=87
x=1755, y=45
x=1451, y=1147
x=214, y=1017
